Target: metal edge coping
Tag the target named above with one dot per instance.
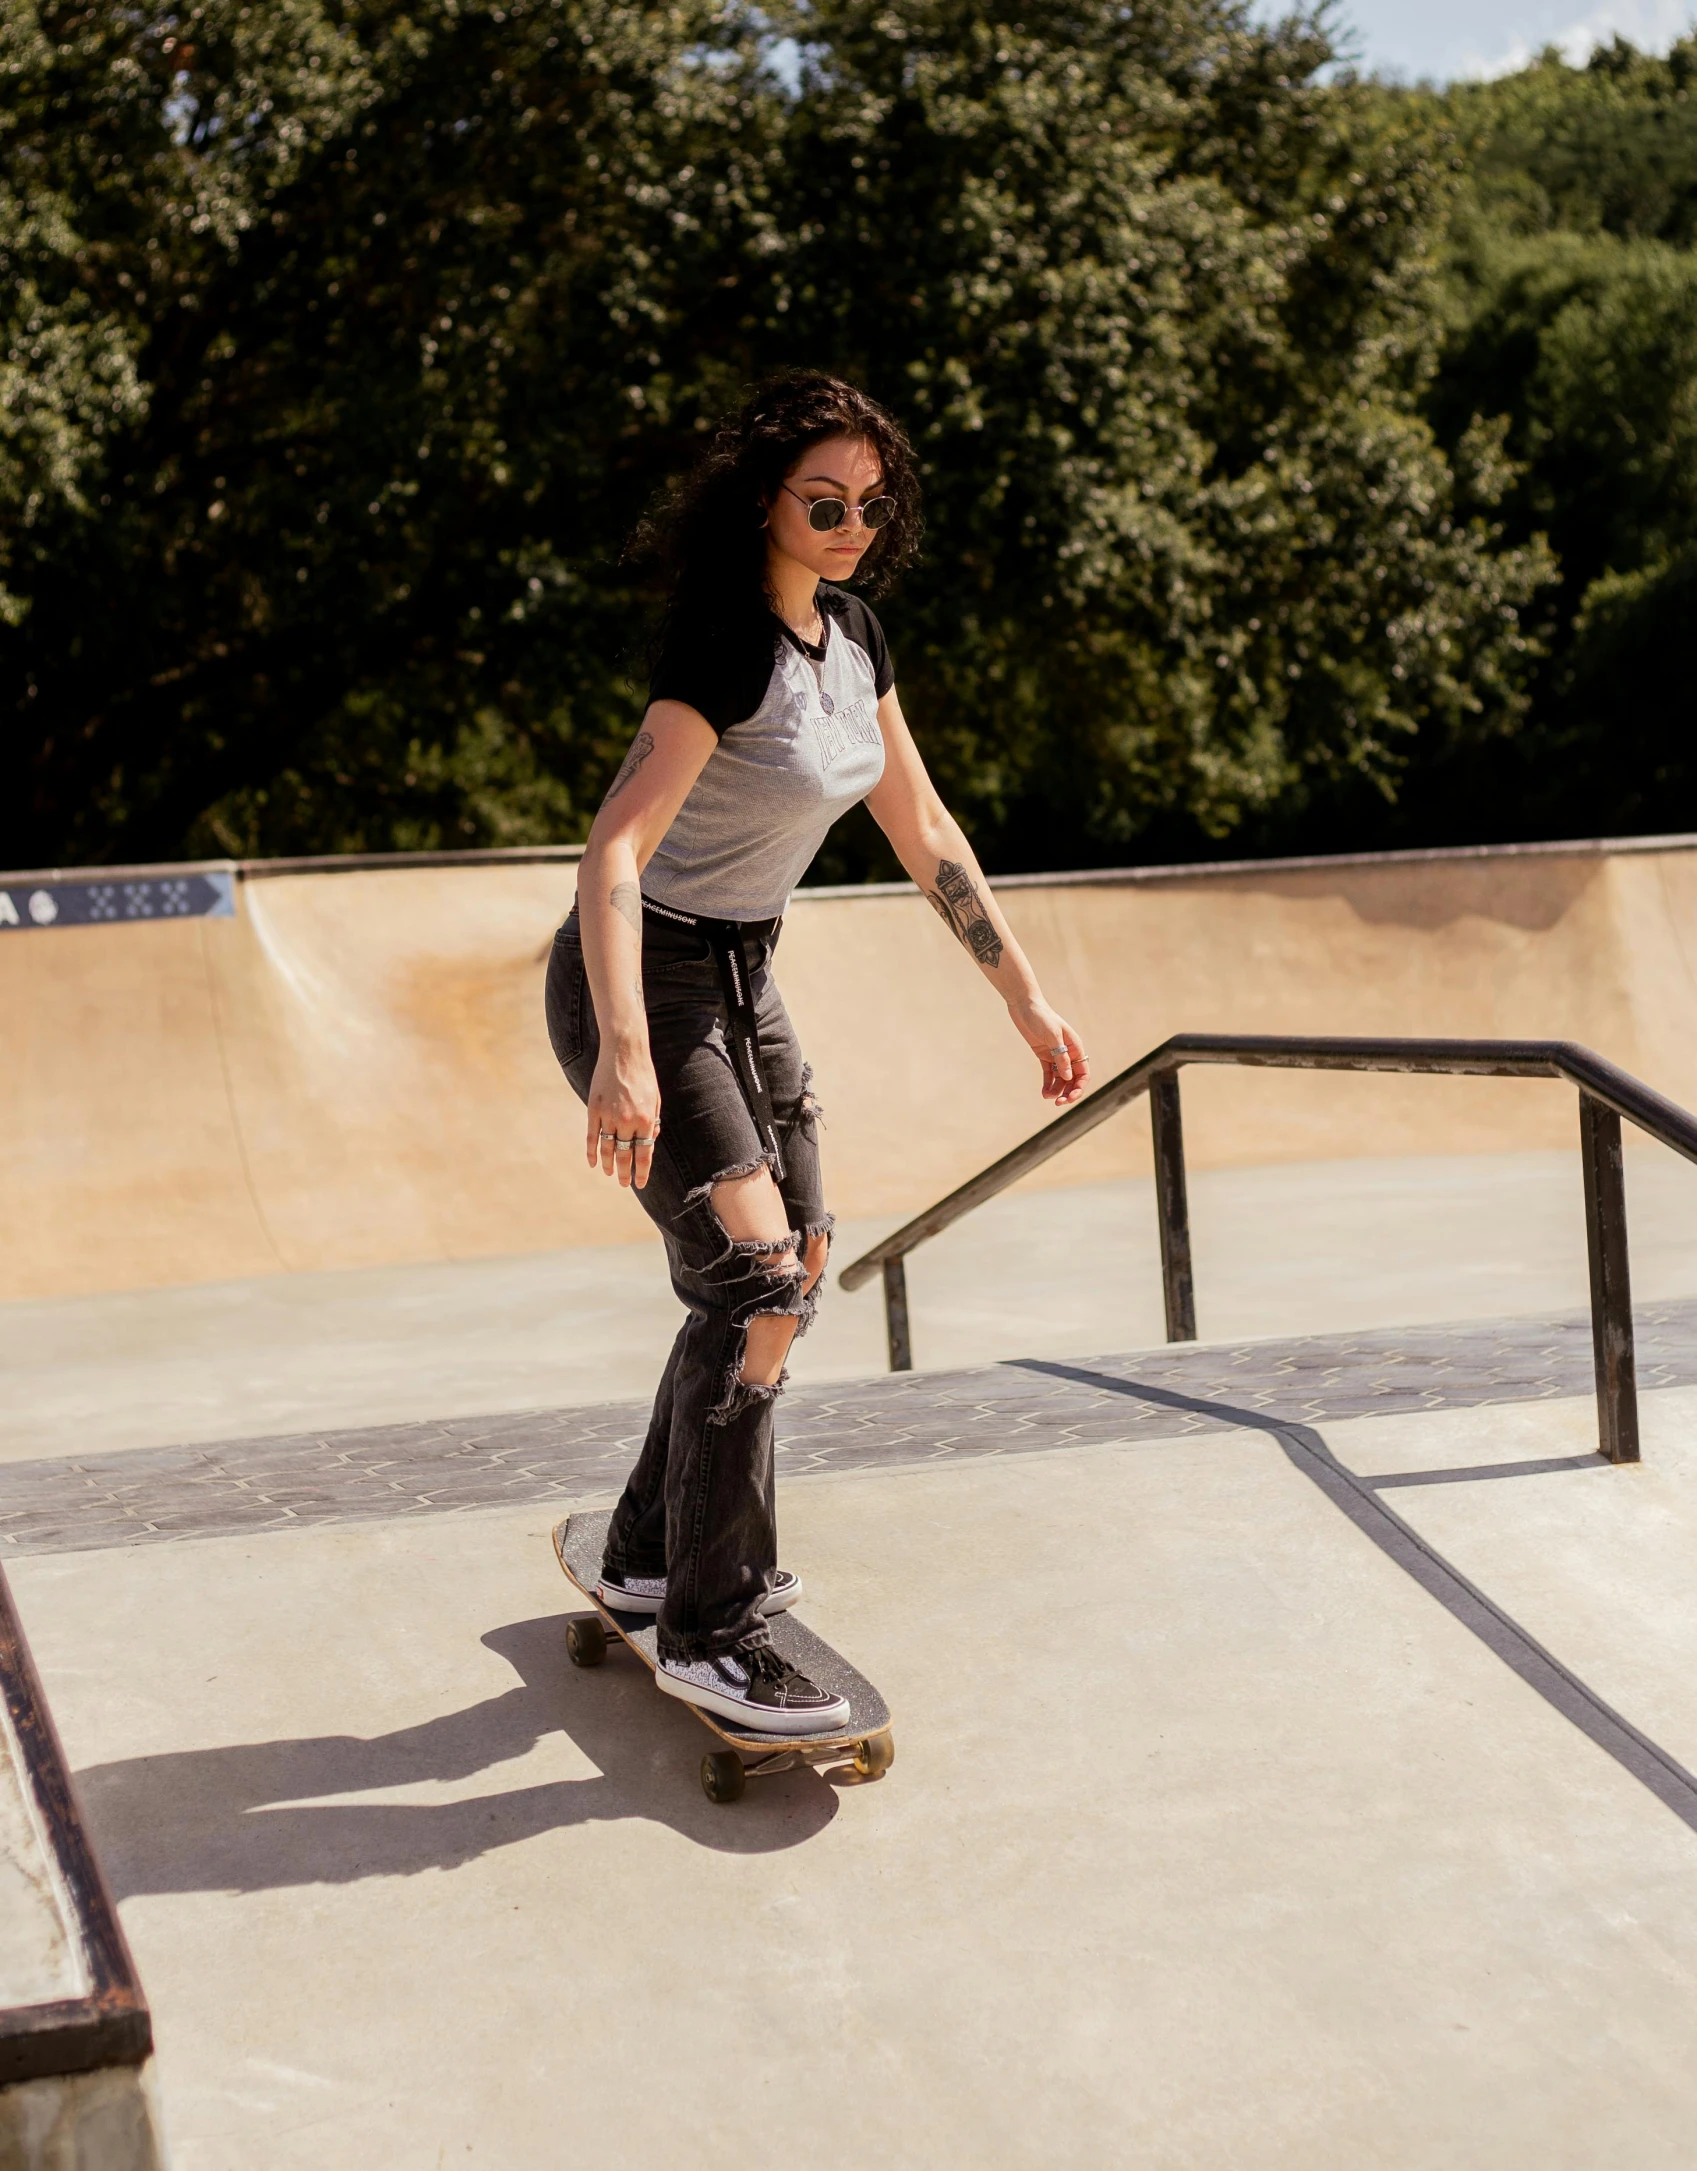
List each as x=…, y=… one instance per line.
x=262, y=870
x=111, y=2025
x=1201, y=870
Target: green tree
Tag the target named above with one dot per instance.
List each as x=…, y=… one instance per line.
x=391, y=321
x=1610, y=147
x=1573, y=319
x=68, y=378
x=392, y=285
x=1161, y=308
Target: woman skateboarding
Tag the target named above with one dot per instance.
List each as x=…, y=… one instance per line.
x=772, y=711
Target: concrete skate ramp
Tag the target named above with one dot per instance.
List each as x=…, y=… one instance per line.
x=352, y=1069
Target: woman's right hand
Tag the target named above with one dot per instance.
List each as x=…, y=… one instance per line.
x=624, y=1102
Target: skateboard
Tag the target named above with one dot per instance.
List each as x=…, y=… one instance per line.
x=865, y=1742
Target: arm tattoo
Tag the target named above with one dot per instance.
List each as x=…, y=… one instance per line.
x=641, y=747
x=961, y=909
x=626, y=900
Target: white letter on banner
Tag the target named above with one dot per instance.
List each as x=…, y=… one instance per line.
x=42, y=910
x=8, y=911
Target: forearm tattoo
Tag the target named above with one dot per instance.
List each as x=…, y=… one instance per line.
x=626, y=900
x=962, y=910
x=641, y=747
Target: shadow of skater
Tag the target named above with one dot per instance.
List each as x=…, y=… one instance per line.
x=204, y=1820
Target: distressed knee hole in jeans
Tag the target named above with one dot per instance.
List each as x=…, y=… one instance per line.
x=701, y=1197
x=781, y=1297
x=747, y=1278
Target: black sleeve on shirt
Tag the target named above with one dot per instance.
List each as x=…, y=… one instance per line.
x=863, y=629
x=723, y=675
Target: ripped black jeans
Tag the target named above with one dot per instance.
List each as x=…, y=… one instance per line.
x=698, y=1507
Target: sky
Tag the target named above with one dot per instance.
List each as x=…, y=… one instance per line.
x=1442, y=39
x=1438, y=40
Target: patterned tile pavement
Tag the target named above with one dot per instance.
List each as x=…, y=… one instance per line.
x=382, y=1472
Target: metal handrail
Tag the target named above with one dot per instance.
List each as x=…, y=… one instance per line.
x=1606, y=1094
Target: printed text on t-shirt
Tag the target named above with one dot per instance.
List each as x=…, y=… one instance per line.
x=856, y=724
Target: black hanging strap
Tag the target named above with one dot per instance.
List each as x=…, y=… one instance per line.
x=742, y=1027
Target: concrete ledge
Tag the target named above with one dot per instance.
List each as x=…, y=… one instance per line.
x=385, y=1473
x=69, y=1999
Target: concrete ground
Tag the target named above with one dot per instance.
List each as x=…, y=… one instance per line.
x=1273, y=1792
x=1295, y=1738
x=1226, y=1829
x=1300, y=1248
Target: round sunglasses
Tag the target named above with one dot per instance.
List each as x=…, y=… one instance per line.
x=824, y=514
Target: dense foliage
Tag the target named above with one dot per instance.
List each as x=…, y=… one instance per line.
x=1573, y=301
x=342, y=342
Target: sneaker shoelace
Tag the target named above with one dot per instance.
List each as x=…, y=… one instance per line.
x=766, y=1665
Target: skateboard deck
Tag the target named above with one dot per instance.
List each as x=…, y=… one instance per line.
x=579, y=1543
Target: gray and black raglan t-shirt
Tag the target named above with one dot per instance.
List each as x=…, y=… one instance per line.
x=799, y=745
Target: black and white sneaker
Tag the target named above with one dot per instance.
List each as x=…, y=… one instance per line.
x=755, y=1690
x=644, y=1593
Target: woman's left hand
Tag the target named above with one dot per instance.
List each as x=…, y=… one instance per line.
x=1066, y=1068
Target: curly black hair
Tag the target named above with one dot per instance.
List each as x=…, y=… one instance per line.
x=706, y=535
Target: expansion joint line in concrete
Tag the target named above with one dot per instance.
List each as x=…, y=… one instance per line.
x=221, y=1042
x=1559, y=1686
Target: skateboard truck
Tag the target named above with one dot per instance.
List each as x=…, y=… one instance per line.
x=725, y=1772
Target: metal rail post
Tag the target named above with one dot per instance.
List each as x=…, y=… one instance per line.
x=1172, y=1206
x=895, y=1314
x=1611, y=1283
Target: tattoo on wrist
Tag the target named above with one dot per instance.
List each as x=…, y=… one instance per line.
x=641, y=747
x=626, y=900
x=961, y=908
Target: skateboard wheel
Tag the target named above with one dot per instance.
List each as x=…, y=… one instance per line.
x=586, y=1640
x=722, y=1776
x=874, y=1756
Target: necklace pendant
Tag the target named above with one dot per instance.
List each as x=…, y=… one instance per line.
x=826, y=703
